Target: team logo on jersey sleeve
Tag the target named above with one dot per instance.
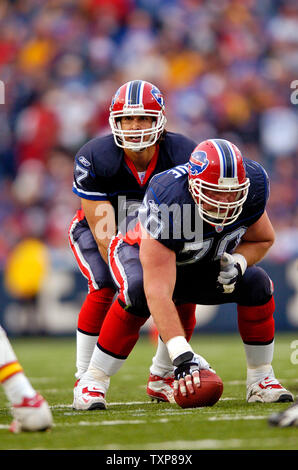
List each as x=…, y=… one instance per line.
x=198, y=162
x=84, y=161
x=153, y=206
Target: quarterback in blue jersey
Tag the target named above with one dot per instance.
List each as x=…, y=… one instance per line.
x=111, y=175
x=202, y=229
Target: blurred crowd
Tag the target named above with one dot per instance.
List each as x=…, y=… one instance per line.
x=225, y=68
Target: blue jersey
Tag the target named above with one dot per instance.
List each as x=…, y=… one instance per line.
x=103, y=172
x=170, y=215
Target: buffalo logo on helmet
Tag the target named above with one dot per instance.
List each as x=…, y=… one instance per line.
x=157, y=96
x=115, y=97
x=198, y=162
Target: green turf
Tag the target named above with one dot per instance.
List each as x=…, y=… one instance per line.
x=132, y=421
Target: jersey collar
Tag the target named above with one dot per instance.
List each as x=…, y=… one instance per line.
x=150, y=169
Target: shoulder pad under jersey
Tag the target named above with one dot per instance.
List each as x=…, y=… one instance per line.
x=179, y=147
x=259, y=183
x=103, y=155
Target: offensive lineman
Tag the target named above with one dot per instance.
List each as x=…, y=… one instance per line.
x=204, y=250
x=111, y=176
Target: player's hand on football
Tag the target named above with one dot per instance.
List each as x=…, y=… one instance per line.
x=232, y=268
x=187, y=375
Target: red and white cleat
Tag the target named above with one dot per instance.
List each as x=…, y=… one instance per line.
x=33, y=414
x=161, y=388
x=269, y=390
x=88, y=396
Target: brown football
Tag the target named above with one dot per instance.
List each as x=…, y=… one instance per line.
x=209, y=392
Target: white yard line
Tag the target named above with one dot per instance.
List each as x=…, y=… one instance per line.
x=235, y=417
x=122, y=403
x=203, y=444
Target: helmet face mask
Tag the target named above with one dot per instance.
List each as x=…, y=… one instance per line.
x=217, y=181
x=219, y=212
x=137, y=98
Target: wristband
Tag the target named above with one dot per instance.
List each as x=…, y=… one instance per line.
x=177, y=346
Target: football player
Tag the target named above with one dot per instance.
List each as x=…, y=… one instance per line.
x=111, y=176
x=30, y=410
x=202, y=229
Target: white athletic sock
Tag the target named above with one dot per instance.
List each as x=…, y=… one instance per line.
x=7, y=354
x=96, y=375
x=259, y=373
x=259, y=359
x=17, y=388
x=161, y=362
x=104, y=362
x=85, y=347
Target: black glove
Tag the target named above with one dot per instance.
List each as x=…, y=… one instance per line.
x=187, y=367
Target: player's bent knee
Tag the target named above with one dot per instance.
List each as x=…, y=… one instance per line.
x=256, y=287
x=137, y=299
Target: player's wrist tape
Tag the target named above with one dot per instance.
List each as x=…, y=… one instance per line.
x=240, y=259
x=178, y=347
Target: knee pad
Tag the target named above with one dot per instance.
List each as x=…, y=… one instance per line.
x=256, y=323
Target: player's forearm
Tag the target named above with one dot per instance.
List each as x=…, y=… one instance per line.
x=257, y=240
x=165, y=317
x=159, y=278
x=253, y=251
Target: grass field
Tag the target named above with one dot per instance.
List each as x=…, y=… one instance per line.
x=132, y=421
